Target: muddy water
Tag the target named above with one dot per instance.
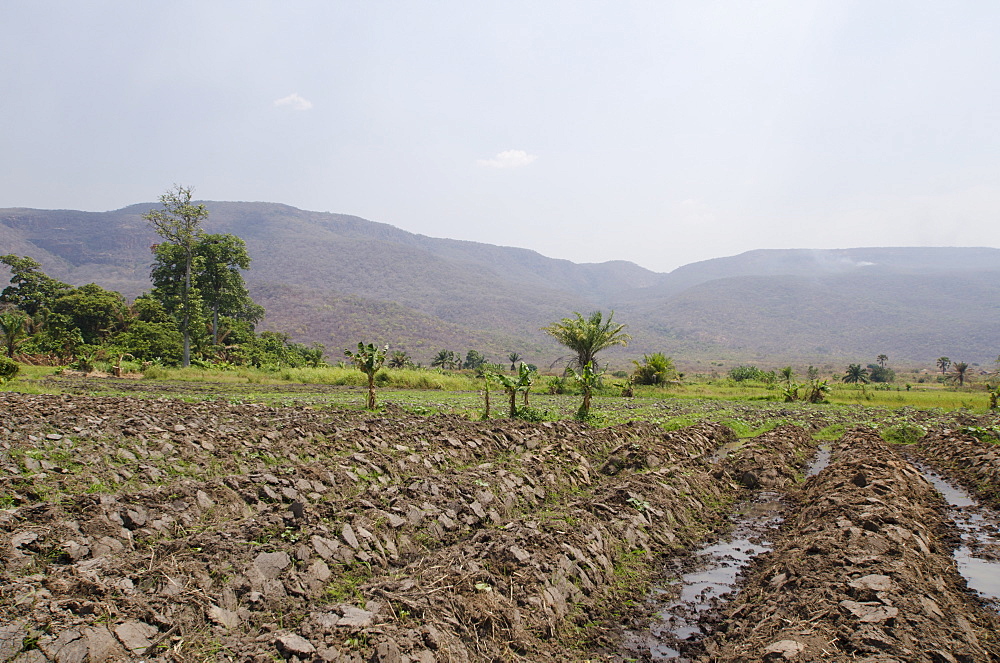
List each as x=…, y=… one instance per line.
x=711, y=579
x=978, y=557
x=820, y=461
x=720, y=454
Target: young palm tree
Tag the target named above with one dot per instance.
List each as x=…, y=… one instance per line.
x=588, y=336
x=960, y=368
x=513, y=358
x=856, y=375
x=13, y=329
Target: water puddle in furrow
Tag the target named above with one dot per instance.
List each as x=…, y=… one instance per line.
x=709, y=579
x=978, y=557
x=821, y=460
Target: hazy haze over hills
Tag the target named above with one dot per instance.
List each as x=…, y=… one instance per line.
x=337, y=279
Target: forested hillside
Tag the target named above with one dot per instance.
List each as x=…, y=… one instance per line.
x=335, y=279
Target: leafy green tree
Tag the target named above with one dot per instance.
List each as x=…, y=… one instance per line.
x=589, y=380
x=30, y=289
x=221, y=283
x=513, y=358
x=218, y=261
x=877, y=373
x=655, y=369
x=585, y=337
x=179, y=223
x=959, y=370
x=151, y=341
x=13, y=330
x=856, y=375
x=368, y=359
x=97, y=313
x=473, y=360
x=943, y=363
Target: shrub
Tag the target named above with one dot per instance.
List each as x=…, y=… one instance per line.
x=904, y=433
x=8, y=369
x=656, y=368
x=750, y=373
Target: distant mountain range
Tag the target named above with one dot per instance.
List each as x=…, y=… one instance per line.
x=337, y=279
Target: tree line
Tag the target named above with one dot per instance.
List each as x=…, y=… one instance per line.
x=198, y=308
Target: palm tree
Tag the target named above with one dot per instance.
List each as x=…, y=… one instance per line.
x=513, y=358
x=588, y=336
x=943, y=363
x=960, y=368
x=399, y=359
x=787, y=374
x=14, y=330
x=855, y=374
x=444, y=359
x=882, y=359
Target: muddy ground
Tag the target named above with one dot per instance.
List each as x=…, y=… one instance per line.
x=162, y=530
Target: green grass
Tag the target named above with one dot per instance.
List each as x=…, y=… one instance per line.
x=404, y=378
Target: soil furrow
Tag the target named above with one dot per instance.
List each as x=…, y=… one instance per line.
x=862, y=571
x=970, y=461
x=212, y=531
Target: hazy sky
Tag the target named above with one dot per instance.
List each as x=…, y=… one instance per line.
x=657, y=132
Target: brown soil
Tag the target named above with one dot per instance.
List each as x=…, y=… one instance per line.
x=973, y=463
x=162, y=530
x=211, y=531
x=863, y=571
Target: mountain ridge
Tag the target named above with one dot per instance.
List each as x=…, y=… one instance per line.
x=331, y=278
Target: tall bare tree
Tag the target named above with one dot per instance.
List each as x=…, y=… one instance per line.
x=179, y=222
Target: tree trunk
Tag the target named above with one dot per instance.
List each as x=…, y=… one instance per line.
x=186, y=321
x=215, y=324
x=371, y=391
x=585, y=407
x=513, y=403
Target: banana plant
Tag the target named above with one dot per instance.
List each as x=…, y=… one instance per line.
x=514, y=385
x=489, y=373
x=368, y=359
x=589, y=379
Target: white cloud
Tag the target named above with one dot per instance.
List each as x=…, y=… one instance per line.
x=295, y=101
x=508, y=159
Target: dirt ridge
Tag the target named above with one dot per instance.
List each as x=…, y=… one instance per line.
x=862, y=572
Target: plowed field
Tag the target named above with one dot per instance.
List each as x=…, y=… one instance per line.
x=155, y=529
